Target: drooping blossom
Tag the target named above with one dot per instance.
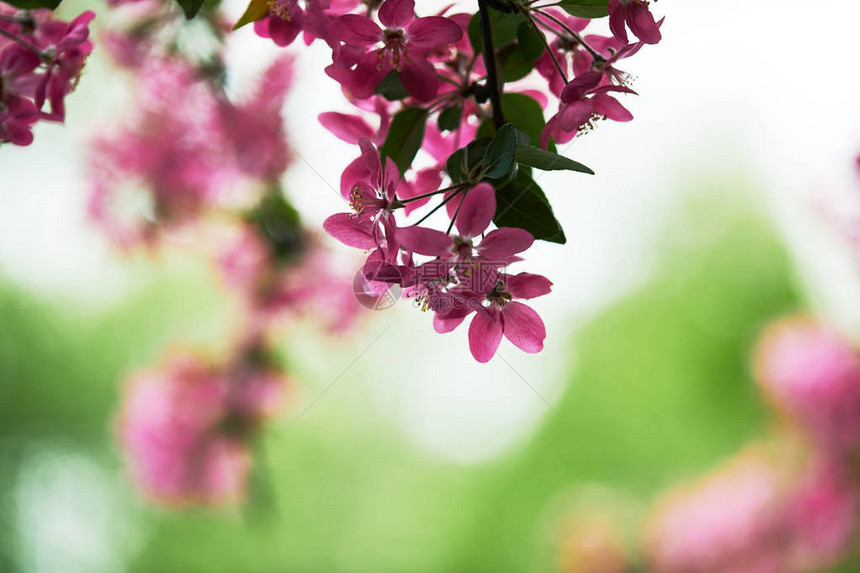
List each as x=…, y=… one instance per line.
x=41, y=59
x=372, y=201
x=636, y=15
x=405, y=42
x=583, y=101
x=185, y=429
x=18, y=113
x=812, y=374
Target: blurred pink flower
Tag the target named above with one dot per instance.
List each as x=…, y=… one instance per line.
x=766, y=511
x=812, y=374
x=184, y=429
x=726, y=523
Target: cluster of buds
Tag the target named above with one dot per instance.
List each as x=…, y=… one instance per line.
x=437, y=121
x=41, y=60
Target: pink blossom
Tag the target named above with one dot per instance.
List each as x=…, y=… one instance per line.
x=371, y=200
x=184, y=430
x=725, y=523
x=635, y=15
x=502, y=315
x=405, y=42
x=813, y=374
x=17, y=112
x=475, y=214
x=584, y=101
x=68, y=46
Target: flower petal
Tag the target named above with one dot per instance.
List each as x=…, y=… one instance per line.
x=348, y=128
x=396, y=13
x=500, y=244
x=642, y=23
x=343, y=227
x=523, y=327
x=424, y=241
x=372, y=161
x=419, y=79
x=485, y=334
x=610, y=107
x=477, y=210
x=433, y=31
x=356, y=30
x=527, y=285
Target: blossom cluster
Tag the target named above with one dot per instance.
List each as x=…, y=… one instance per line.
x=186, y=427
x=435, y=122
x=790, y=502
x=41, y=60
x=192, y=165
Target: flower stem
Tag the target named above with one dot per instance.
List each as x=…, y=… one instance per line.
x=437, y=207
x=23, y=43
x=490, y=62
x=594, y=53
x=425, y=195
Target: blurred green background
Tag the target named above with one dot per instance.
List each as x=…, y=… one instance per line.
x=661, y=392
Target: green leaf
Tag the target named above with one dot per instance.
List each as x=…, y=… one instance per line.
x=486, y=129
x=513, y=65
x=547, y=160
x=522, y=204
x=529, y=41
x=503, y=26
x=586, y=8
x=449, y=119
x=279, y=225
x=405, y=137
x=525, y=113
x=34, y=4
x=499, y=157
x=256, y=10
x=391, y=87
x=190, y=7
x=465, y=159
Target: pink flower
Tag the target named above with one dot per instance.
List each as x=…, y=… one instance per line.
x=371, y=200
x=822, y=516
x=68, y=46
x=287, y=18
x=635, y=15
x=405, y=42
x=17, y=113
x=584, y=101
x=725, y=523
x=184, y=430
x=502, y=315
x=813, y=374
x=475, y=214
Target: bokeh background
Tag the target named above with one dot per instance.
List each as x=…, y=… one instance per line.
x=705, y=221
